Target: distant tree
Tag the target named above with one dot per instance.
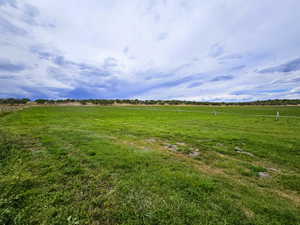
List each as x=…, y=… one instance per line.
x=14, y=101
x=41, y=101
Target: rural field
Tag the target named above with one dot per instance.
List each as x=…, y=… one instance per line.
x=139, y=165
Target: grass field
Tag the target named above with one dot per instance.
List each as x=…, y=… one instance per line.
x=150, y=165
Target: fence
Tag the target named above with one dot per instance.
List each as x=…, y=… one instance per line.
x=214, y=112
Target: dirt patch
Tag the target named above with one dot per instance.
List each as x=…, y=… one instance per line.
x=208, y=169
x=249, y=213
x=171, y=147
x=151, y=140
x=290, y=196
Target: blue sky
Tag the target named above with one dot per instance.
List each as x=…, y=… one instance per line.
x=210, y=50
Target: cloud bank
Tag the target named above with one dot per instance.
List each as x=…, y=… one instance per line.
x=214, y=50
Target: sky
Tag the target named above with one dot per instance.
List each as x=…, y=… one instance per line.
x=209, y=50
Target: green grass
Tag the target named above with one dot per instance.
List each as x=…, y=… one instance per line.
x=113, y=165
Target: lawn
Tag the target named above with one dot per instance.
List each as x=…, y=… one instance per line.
x=150, y=165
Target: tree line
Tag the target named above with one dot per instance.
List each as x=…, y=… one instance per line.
x=20, y=101
x=14, y=101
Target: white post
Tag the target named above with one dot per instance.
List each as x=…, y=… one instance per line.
x=277, y=116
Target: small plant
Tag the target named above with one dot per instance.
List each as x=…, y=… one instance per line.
x=72, y=220
x=91, y=153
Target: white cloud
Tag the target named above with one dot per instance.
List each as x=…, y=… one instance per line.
x=149, y=49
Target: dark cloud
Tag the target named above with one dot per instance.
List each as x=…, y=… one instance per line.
x=60, y=60
x=296, y=79
x=195, y=84
x=7, y=66
x=35, y=92
x=257, y=91
x=80, y=93
x=173, y=83
x=162, y=36
x=114, y=88
x=53, y=57
x=290, y=66
x=11, y=3
x=7, y=27
x=242, y=92
x=153, y=75
x=231, y=57
x=238, y=67
x=31, y=14
x=222, y=78
x=87, y=70
x=56, y=59
x=7, y=77
x=40, y=52
x=82, y=68
x=167, y=84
